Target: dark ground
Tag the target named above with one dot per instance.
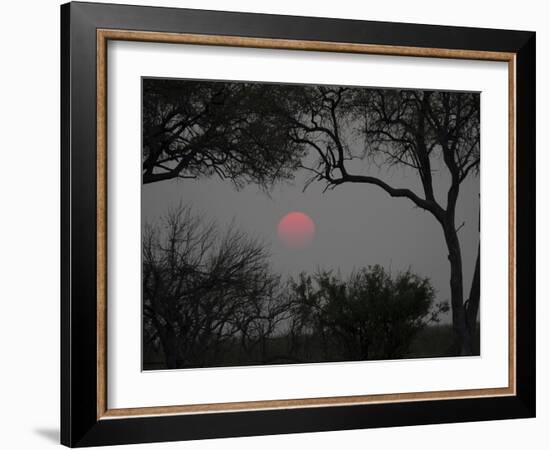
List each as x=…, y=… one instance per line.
x=432, y=342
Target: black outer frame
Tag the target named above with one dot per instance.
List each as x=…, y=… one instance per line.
x=79, y=424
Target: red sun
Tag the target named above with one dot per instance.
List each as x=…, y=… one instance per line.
x=296, y=230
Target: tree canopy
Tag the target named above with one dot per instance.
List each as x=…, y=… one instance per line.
x=202, y=128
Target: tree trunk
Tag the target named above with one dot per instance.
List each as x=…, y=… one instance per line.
x=462, y=344
x=472, y=305
x=170, y=348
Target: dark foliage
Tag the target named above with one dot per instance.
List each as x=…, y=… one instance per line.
x=201, y=128
x=202, y=288
x=370, y=315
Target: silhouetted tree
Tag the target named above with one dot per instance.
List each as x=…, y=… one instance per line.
x=202, y=128
x=202, y=289
x=414, y=129
x=369, y=315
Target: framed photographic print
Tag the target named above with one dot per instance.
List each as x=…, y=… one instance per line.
x=276, y=224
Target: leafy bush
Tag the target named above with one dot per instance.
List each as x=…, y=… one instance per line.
x=369, y=315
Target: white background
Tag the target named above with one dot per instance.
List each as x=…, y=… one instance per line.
x=29, y=333
x=128, y=386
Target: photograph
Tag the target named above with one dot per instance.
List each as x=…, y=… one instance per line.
x=300, y=223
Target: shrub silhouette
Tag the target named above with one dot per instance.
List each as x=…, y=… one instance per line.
x=369, y=315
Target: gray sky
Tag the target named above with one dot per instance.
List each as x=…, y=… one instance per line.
x=356, y=225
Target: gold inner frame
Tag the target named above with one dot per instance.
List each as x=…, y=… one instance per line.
x=104, y=35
